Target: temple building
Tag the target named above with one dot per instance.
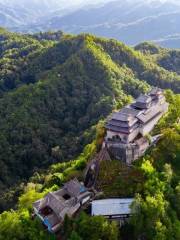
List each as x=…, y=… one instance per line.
x=53, y=208
x=127, y=129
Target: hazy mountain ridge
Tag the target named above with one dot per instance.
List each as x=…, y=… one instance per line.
x=11, y=16
x=126, y=22
x=129, y=21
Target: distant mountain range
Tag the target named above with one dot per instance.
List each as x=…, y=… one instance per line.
x=131, y=21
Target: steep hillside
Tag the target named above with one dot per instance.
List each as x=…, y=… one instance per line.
x=170, y=60
x=53, y=91
x=153, y=180
x=166, y=58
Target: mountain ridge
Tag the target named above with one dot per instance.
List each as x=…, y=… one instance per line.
x=55, y=87
x=112, y=19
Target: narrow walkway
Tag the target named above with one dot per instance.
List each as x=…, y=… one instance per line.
x=93, y=168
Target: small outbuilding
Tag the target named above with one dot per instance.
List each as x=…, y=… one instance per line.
x=113, y=209
x=53, y=208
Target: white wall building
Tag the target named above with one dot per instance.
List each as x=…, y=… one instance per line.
x=133, y=122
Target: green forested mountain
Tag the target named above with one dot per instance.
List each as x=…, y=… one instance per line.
x=153, y=180
x=55, y=87
x=166, y=58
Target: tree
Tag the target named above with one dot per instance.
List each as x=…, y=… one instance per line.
x=74, y=236
x=90, y=228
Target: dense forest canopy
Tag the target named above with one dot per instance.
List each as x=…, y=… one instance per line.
x=156, y=207
x=54, y=87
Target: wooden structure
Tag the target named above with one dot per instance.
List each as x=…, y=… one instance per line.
x=66, y=201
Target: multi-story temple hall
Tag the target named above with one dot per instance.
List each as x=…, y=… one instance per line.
x=127, y=129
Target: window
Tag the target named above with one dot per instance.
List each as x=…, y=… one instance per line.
x=116, y=137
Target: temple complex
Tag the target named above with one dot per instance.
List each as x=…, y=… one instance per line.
x=126, y=140
x=127, y=129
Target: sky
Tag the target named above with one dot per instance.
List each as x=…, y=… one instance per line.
x=51, y=3
x=67, y=3
x=76, y=2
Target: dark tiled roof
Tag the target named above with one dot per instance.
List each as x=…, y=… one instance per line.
x=74, y=188
x=50, y=200
x=145, y=117
x=149, y=107
x=121, y=129
x=130, y=111
x=144, y=99
x=54, y=203
x=155, y=91
x=56, y=200
x=126, y=114
x=118, y=123
x=118, y=129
